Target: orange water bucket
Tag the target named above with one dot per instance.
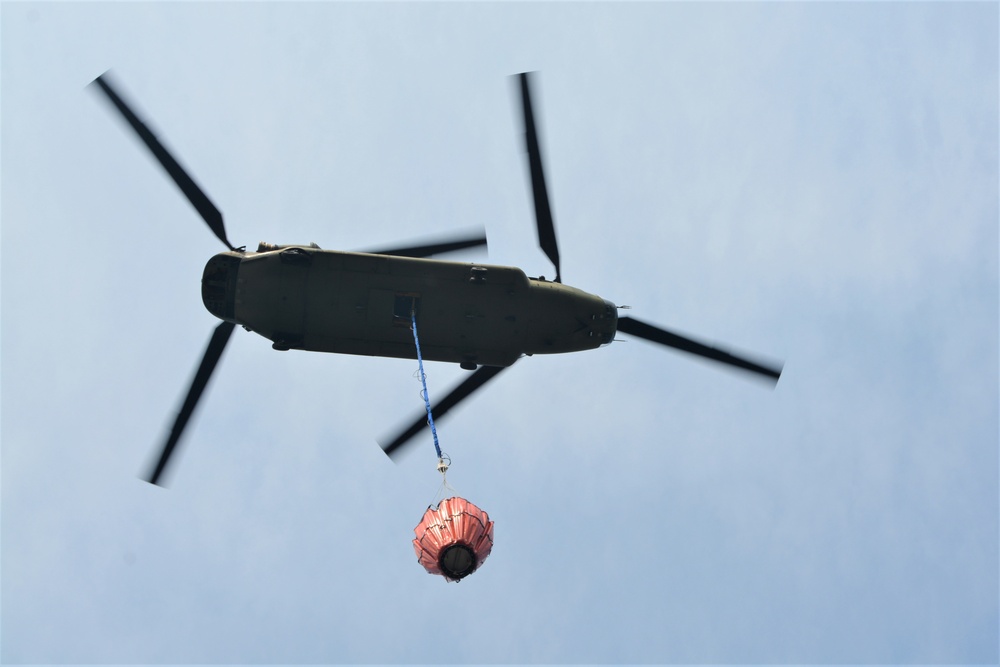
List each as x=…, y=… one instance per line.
x=453, y=538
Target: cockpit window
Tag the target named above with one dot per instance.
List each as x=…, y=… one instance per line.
x=218, y=285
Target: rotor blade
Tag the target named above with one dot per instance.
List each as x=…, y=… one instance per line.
x=543, y=212
x=657, y=335
x=437, y=248
x=208, y=363
x=209, y=213
x=459, y=393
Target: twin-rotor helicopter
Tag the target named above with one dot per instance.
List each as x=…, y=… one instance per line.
x=481, y=316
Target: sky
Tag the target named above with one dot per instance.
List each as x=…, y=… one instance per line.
x=811, y=183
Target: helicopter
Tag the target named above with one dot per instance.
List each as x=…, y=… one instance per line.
x=483, y=317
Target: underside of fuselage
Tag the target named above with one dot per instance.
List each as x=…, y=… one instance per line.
x=306, y=298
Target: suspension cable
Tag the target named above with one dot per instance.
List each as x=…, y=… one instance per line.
x=427, y=400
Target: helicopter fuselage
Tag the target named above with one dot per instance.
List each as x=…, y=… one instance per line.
x=481, y=316
x=308, y=298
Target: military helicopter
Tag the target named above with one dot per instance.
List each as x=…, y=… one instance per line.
x=481, y=316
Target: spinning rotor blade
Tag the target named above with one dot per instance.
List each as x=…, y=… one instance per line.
x=438, y=248
x=543, y=212
x=663, y=337
x=209, y=213
x=459, y=393
x=201, y=378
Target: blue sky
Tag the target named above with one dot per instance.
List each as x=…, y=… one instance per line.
x=813, y=183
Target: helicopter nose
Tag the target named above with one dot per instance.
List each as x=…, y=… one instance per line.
x=218, y=285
